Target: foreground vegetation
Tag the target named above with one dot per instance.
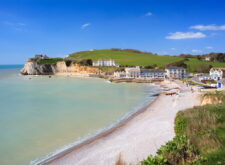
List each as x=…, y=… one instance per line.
x=200, y=136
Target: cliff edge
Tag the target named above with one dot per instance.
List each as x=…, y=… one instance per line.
x=35, y=68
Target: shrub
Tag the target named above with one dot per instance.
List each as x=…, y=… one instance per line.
x=178, y=64
x=157, y=160
x=68, y=62
x=49, y=61
x=203, y=68
x=151, y=66
x=85, y=62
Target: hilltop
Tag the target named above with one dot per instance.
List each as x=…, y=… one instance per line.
x=126, y=57
x=131, y=57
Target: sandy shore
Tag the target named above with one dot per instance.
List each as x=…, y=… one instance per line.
x=136, y=138
x=71, y=74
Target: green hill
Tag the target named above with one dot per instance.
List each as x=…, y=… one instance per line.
x=126, y=57
x=131, y=57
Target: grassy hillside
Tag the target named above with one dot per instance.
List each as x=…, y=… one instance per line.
x=130, y=58
x=200, y=137
x=126, y=57
x=192, y=64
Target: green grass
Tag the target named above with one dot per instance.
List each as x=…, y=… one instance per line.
x=49, y=61
x=200, y=137
x=205, y=127
x=192, y=64
x=126, y=57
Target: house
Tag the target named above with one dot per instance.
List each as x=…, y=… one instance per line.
x=152, y=74
x=137, y=73
x=207, y=58
x=133, y=72
x=203, y=77
x=41, y=56
x=217, y=73
x=120, y=74
x=175, y=72
x=105, y=62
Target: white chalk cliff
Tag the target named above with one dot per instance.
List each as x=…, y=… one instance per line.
x=34, y=68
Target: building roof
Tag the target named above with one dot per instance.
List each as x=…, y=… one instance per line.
x=152, y=71
x=174, y=67
x=134, y=69
x=223, y=69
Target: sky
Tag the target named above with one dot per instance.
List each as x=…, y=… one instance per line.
x=60, y=27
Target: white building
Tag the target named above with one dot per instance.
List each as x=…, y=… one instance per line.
x=106, y=62
x=41, y=56
x=152, y=74
x=133, y=72
x=204, y=77
x=175, y=72
x=136, y=72
x=217, y=73
x=119, y=74
x=207, y=58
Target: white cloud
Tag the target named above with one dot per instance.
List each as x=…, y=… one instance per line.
x=18, y=26
x=196, y=51
x=85, y=25
x=209, y=47
x=185, y=35
x=208, y=27
x=148, y=14
x=173, y=49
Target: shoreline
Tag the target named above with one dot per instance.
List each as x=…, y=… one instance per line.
x=152, y=126
x=99, y=133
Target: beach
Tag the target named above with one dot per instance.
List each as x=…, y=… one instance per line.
x=137, y=137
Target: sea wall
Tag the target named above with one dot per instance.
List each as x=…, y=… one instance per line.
x=34, y=68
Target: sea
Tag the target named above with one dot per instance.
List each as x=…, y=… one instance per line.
x=42, y=115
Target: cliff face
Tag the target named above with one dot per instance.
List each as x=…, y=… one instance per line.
x=33, y=68
x=209, y=100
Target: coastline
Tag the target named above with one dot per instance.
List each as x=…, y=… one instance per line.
x=99, y=133
x=151, y=125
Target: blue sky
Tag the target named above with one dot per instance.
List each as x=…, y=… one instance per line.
x=60, y=27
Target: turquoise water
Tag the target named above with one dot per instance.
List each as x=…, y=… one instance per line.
x=39, y=115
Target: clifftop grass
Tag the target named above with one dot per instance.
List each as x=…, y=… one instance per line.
x=200, y=137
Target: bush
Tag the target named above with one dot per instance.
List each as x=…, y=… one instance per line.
x=151, y=66
x=85, y=62
x=157, y=160
x=49, y=61
x=203, y=68
x=178, y=64
x=68, y=62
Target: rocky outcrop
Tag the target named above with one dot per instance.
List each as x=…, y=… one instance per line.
x=34, y=68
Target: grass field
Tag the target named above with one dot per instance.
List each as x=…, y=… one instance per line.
x=192, y=63
x=127, y=58
x=141, y=59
